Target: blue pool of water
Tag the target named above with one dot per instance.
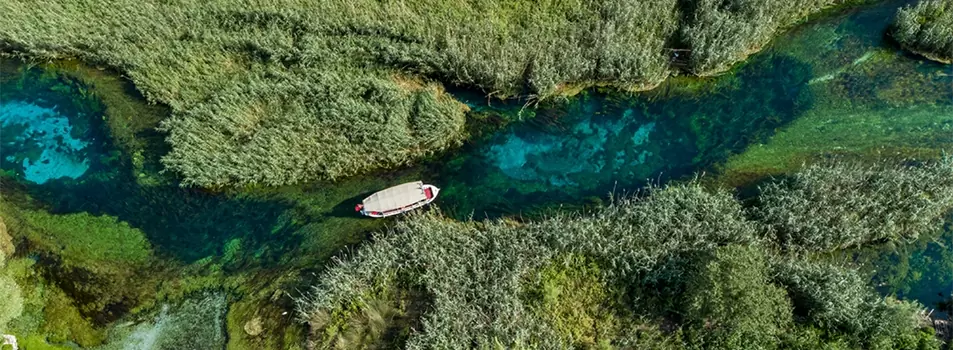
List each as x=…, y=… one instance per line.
x=41, y=141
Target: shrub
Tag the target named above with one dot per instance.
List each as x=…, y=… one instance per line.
x=732, y=304
x=926, y=28
x=842, y=204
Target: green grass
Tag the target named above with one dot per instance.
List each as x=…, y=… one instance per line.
x=927, y=29
x=288, y=92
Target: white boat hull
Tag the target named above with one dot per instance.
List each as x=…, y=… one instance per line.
x=430, y=194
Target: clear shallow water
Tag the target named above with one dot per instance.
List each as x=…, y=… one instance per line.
x=600, y=142
x=567, y=153
x=30, y=129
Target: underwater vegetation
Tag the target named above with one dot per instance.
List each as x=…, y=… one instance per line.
x=601, y=142
x=195, y=323
x=871, y=101
x=927, y=29
x=186, y=267
x=48, y=136
x=51, y=134
x=283, y=93
x=679, y=255
x=98, y=269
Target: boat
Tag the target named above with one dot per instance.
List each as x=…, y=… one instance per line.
x=398, y=199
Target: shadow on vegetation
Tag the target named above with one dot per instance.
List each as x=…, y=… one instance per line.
x=345, y=209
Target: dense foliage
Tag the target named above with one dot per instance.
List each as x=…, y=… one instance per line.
x=840, y=205
x=282, y=92
x=926, y=28
x=732, y=304
x=682, y=255
x=719, y=33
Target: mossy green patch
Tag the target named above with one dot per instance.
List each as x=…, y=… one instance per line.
x=575, y=298
x=260, y=317
x=920, y=132
x=37, y=342
x=48, y=311
x=101, y=244
x=12, y=304
x=103, y=264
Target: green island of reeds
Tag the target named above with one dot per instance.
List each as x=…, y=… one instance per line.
x=926, y=28
x=285, y=92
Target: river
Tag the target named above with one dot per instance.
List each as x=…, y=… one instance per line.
x=832, y=87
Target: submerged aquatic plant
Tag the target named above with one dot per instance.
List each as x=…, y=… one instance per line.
x=11, y=301
x=98, y=260
x=196, y=323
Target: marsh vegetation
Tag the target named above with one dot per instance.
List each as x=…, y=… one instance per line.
x=288, y=92
x=926, y=28
x=695, y=259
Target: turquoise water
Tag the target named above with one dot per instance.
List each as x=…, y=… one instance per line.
x=32, y=129
x=600, y=142
x=566, y=153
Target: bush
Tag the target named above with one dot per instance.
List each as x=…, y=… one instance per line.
x=926, y=28
x=842, y=204
x=732, y=304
